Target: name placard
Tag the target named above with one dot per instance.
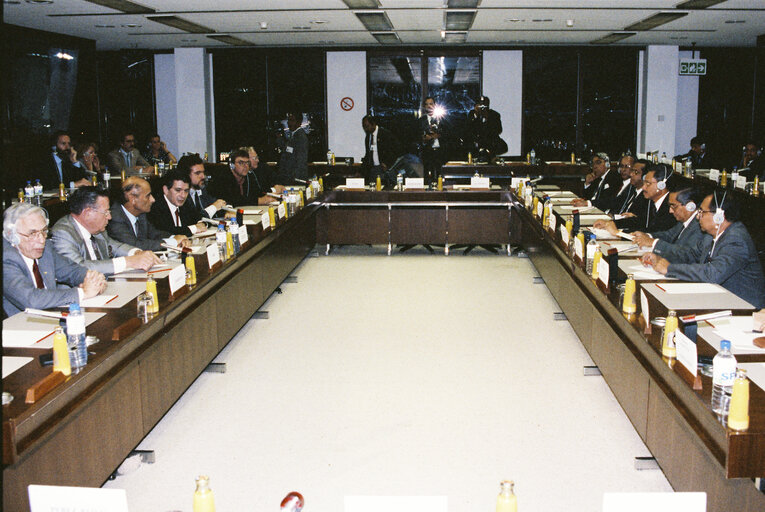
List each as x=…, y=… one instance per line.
x=741, y=182
x=578, y=249
x=564, y=234
x=354, y=183
x=308, y=191
x=177, y=278
x=213, y=256
x=540, y=209
x=714, y=175
x=603, y=269
x=686, y=352
x=281, y=211
x=551, y=220
x=479, y=183
x=264, y=222
x=644, y=308
x=243, y=236
x=415, y=183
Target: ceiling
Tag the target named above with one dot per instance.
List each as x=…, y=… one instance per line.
x=164, y=24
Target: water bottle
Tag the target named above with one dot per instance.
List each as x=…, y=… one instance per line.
x=235, y=235
x=75, y=337
x=29, y=192
x=592, y=246
x=533, y=156
x=220, y=239
x=329, y=157
x=38, y=193
x=400, y=182
x=724, y=373
x=664, y=157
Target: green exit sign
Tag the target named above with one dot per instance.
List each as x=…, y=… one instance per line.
x=695, y=67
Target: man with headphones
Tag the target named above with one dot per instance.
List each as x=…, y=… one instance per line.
x=601, y=185
x=731, y=261
x=700, y=158
x=753, y=162
x=675, y=243
x=32, y=270
x=656, y=216
x=241, y=186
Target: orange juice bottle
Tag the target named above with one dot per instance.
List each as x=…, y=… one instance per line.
x=192, y=268
x=378, y=184
x=61, y=362
x=151, y=288
x=738, y=415
x=440, y=183
x=204, y=500
x=506, y=501
x=271, y=216
x=629, y=304
x=668, y=348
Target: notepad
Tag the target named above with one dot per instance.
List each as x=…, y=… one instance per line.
x=738, y=330
x=690, y=288
x=23, y=330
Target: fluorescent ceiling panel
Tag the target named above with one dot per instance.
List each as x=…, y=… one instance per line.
x=362, y=4
x=123, y=5
x=387, y=37
x=374, y=21
x=463, y=4
x=235, y=41
x=181, y=24
x=656, y=20
x=459, y=20
x=455, y=37
x=612, y=38
x=698, y=4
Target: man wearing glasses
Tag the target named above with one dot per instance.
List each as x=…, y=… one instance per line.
x=601, y=185
x=656, y=216
x=627, y=191
x=127, y=158
x=241, y=186
x=81, y=237
x=32, y=270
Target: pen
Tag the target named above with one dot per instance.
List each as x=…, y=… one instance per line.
x=176, y=249
x=698, y=318
x=48, y=314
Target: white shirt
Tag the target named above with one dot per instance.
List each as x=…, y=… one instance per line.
x=133, y=219
x=57, y=159
x=119, y=263
x=435, y=141
x=30, y=262
x=210, y=210
x=173, y=209
x=373, y=147
x=625, y=184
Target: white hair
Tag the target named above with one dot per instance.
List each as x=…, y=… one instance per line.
x=16, y=212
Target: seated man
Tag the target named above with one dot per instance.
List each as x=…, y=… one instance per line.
x=732, y=260
x=199, y=198
x=627, y=190
x=241, y=186
x=601, y=185
x=266, y=175
x=60, y=165
x=676, y=243
x=170, y=212
x=31, y=268
x=80, y=236
x=129, y=223
x=127, y=158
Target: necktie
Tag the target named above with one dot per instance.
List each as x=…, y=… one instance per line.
x=38, y=277
x=127, y=160
x=95, y=248
x=139, y=230
x=198, y=202
x=177, y=218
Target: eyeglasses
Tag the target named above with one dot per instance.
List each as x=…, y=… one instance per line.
x=36, y=234
x=625, y=167
x=703, y=212
x=241, y=162
x=105, y=213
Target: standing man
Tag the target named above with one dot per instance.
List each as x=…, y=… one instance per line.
x=61, y=164
x=381, y=149
x=433, y=148
x=170, y=213
x=293, y=162
x=127, y=158
x=601, y=185
x=32, y=269
x=129, y=223
x=199, y=198
x=483, y=128
x=80, y=236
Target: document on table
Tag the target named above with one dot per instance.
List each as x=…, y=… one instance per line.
x=23, y=330
x=157, y=271
x=641, y=273
x=602, y=234
x=571, y=208
x=12, y=363
x=755, y=372
x=205, y=233
x=738, y=330
x=690, y=288
x=118, y=293
x=250, y=210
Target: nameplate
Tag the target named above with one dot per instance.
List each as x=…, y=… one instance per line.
x=264, y=221
x=603, y=269
x=714, y=175
x=355, y=183
x=52, y=498
x=213, y=256
x=686, y=352
x=177, y=278
x=644, y=309
x=552, y=220
x=479, y=183
x=741, y=182
x=578, y=248
x=514, y=182
x=308, y=191
x=243, y=236
x=415, y=183
x=281, y=211
x=564, y=234
x=540, y=209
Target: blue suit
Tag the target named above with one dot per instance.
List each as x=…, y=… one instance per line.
x=678, y=243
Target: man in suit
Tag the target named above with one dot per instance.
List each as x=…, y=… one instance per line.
x=433, y=142
x=657, y=217
x=81, y=237
x=240, y=186
x=382, y=149
x=61, y=164
x=127, y=158
x=625, y=172
x=676, y=243
x=601, y=185
x=170, y=212
x=199, y=198
x=293, y=162
x=267, y=177
x=731, y=261
x=129, y=223
x=700, y=158
x=31, y=268
x=753, y=162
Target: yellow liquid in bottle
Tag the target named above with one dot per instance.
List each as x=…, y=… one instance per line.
x=272, y=215
x=203, y=496
x=61, y=362
x=738, y=414
x=507, y=503
x=229, y=244
x=191, y=267
x=668, y=348
x=595, y=262
x=440, y=183
x=629, y=305
x=151, y=288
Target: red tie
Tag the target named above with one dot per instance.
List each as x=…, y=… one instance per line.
x=177, y=218
x=38, y=276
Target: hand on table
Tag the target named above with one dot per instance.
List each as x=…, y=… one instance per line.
x=580, y=202
x=142, y=260
x=642, y=239
x=658, y=263
x=182, y=241
x=93, y=284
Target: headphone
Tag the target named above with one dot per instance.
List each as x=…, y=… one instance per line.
x=719, y=216
x=662, y=184
x=690, y=206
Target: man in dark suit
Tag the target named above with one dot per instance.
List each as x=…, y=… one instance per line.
x=700, y=158
x=32, y=270
x=268, y=179
x=293, y=161
x=676, y=243
x=484, y=126
x=199, y=197
x=601, y=185
x=129, y=223
x=382, y=149
x=433, y=142
x=625, y=171
x=81, y=236
x=656, y=187
x=170, y=212
x=732, y=260
x=240, y=186
x=61, y=164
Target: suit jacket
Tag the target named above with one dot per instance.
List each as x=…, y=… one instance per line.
x=293, y=162
x=267, y=177
x=48, y=172
x=225, y=186
x=117, y=164
x=436, y=126
x=732, y=263
x=161, y=218
x=19, y=290
x=622, y=199
x=145, y=236
x=483, y=132
x=388, y=149
x=602, y=192
x=206, y=199
x=68, y=242
x=678, y=242
x=647, y=219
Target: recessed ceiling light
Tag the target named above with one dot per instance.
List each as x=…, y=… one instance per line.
x=730, y=22
x=569, y=23
x=513, y=20
x=101, y=25
x=263, y=25
x=301, y=27
x=318, y=22
x=40, y=2
x=131, y=25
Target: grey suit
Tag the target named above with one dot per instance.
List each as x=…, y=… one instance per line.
x=68, y=242
x=732, y=263
x=677, y=243
x=116, y=160
x=145, y=236
x=19, y=290
x=293, y=162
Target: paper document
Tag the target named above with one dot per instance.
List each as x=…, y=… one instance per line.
x=202, y=234
x=11, y=364
x=602, y=234
x=251, y=210
x=641, y=273
x=688, y=288
x=22, y=330
x=738, y=330
x=570, y=208
x=99, y=301
x=121, y=292
x=755, y=372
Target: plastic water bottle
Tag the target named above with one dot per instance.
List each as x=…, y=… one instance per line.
x=533, y=157
x=329, y=157
x=724, y=373
x=220, y=239
x=592, y=246
x=38, y=193
x=235, y=234
x=29, y=192
x=75, y=336
x=400, y=182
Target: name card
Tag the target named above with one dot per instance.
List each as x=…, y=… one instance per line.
x=51, y=498
x=540, y=209
x=578, y=249
x=281, y=211
x=741, y=182
x=177, y=278
x=354, y=183
x=603, y=269
x=243, y=236
x=264, y=221
x=564, y=234
x=308, y=191
x=514, y=182
x=686, y=352
x=714, y=175
x=551, y=220
x=213, y=256
x=416, y=183
x=644, y=308
x=479, y=182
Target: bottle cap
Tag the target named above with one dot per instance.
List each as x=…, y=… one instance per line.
x=725, y=345
x=74, y=307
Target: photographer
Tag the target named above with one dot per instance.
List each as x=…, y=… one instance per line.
x=433, y=144
x=61, y=165
x=483, y=128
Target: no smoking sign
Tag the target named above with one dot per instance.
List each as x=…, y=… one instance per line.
x=346, y=103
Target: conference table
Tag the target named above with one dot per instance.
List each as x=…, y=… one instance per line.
x=81, y=430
